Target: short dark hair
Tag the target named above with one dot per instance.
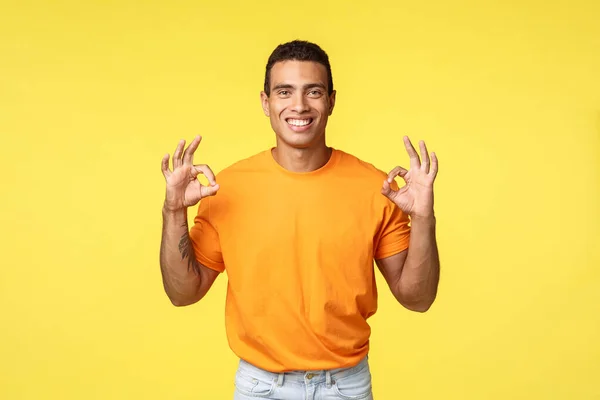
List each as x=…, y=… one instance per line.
x=298, y=50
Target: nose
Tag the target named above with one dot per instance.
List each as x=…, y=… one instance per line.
x=300, y=104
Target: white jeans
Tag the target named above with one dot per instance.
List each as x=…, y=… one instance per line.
x=352, y=383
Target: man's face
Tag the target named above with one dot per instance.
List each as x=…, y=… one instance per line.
x=298, y=105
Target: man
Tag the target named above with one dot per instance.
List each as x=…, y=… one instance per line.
x=297, y=228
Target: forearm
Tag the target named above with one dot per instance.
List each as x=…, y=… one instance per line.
x=180, y=270
x=418, y=283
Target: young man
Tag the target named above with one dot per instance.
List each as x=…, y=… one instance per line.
x=297, y=228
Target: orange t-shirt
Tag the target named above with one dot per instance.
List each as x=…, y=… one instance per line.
x=298, y=249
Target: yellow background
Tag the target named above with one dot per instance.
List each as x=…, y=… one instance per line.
x=92, y=94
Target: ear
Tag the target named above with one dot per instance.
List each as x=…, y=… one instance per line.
x=331, y=102
x=264, y=99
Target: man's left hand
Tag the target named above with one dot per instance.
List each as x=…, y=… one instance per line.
x=415, y=198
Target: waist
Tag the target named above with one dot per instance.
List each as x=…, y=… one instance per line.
x=301, y=376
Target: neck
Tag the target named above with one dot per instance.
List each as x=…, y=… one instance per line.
x=301, y=160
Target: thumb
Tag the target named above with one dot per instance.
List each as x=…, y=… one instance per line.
x=387, y=190
x=209, y=190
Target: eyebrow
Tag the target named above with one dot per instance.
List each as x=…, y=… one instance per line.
x=305, y=87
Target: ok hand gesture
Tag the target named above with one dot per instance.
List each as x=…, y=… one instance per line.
x=416, y=196
x=183, y=188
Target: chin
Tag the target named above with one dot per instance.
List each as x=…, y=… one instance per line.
x=299, y=140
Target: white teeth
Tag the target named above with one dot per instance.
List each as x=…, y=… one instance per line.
x=298, y=122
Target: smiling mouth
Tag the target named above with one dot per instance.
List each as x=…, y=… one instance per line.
x=299, y=123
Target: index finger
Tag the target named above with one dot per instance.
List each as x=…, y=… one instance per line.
x=165, y=166
x=395, y=172
x=205, y=169
x=188, y=154
x=415, y=162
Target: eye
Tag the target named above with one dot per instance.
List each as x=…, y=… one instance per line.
x=315, y=93
x=283, y=93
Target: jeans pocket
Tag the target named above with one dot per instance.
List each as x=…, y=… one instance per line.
x=252, y=386
x=354, y=387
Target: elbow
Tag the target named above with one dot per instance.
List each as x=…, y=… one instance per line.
x=179, y=301
x=420, y=307
x=417, y=298
x=180, y=298
x=416, y=302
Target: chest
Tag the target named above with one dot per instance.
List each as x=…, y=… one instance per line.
x=301, y=221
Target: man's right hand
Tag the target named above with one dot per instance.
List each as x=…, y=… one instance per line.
x=183, y=188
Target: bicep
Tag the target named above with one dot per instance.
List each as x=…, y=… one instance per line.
x=391, y=267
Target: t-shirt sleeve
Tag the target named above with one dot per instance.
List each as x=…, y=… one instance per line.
x=205, y=239
x=394, y=234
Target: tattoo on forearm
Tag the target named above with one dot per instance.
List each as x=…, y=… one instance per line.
x=186, y=250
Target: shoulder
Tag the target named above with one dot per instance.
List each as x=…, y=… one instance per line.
x=366, y=176
x=241, y=168
x=361, y=169
x=234, y=181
